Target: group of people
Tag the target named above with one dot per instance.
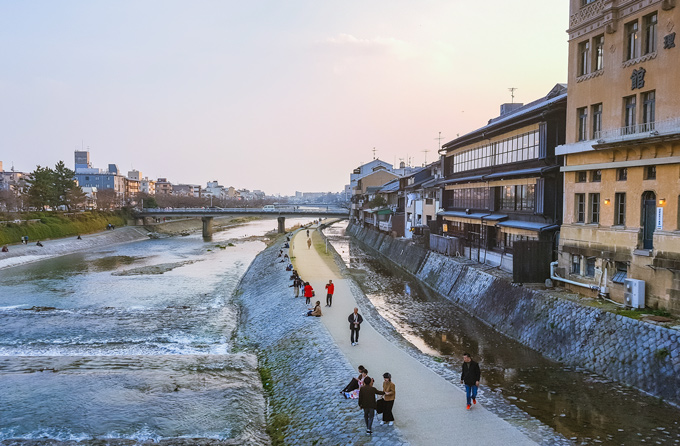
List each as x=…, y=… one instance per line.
x=362, y=388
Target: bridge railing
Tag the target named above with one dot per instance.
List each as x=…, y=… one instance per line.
x=200, y=211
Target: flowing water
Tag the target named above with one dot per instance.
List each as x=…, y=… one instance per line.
x=582, y=406
x=130, y=342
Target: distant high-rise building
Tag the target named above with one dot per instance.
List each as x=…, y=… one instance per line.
x=82, y=159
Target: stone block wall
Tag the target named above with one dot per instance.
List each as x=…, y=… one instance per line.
x=627, y=350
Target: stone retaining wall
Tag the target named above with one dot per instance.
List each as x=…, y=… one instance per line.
x=627, y=350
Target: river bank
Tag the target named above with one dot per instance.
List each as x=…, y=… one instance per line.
x=19, y=254
x=626, y=350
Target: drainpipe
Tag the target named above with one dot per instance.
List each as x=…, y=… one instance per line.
x=554, y=276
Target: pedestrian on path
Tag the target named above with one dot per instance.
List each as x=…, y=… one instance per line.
x=367, y=395
x=330, y=288
x=307, y=233
x=390, y=392
x=355, y=321
x=470, y=376
x=309, y=293
x=354, y=382
x=309, y=243
x=297, y=283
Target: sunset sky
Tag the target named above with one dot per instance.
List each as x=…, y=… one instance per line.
x=281, y=96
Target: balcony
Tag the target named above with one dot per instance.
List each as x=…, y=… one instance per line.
x=639, y=131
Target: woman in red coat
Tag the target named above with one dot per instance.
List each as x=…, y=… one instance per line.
x=309, y=293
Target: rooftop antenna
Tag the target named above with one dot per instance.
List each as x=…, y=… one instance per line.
x=374, y=152
x=425, y=151
x=512, y=94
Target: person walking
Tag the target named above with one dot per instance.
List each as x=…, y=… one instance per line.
x=309, y=243
x=355, y=321
x=470, y=377
x=390, y=393
x=330, y=288
x=309, y=293
x=367, y=395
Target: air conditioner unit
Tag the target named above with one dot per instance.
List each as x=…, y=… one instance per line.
x=634, y=293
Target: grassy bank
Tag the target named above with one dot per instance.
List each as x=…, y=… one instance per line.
x=49, y=225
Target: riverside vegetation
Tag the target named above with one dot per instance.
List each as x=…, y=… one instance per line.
x=50, y=225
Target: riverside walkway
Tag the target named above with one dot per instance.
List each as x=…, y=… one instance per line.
x=428, y=410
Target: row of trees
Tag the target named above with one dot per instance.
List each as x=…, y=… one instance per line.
x=54, y=188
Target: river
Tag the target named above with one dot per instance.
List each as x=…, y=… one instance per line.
x=580, y=405
x=131, y=342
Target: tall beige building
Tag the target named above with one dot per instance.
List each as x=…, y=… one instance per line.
x=622, y=151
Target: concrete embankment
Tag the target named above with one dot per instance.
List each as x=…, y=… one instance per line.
x=305, y=366
x=627, y=350
x=20, y=254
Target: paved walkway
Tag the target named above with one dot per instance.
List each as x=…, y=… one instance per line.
x=428, y=410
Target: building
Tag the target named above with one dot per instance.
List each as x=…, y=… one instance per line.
x=421, y=197
x=163, y=187
x=88, y=176
x=187, y=190
x=621, y=171
x=502, y=186
x=364, y=192
x=147, y=186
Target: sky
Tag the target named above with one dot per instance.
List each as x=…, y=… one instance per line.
x=280, y=96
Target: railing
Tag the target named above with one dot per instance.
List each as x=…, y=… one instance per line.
x=221, y=211
x=653, y=128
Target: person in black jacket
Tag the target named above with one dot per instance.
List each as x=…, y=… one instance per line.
x=355, y=321
x=367, y=395
x=470, y=376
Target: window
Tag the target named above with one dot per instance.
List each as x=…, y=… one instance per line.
x=632, y=41
x=517, y=148
x=620, y=209
x=648, y=104
x=594, y=216
x=518, y=198
x=582, y=123
x=583, y=57
x=581, y=177
x=629, y=115
x=650, y=33
x=585, y=2
x=622, y=174
x=596, y=176
x=575, y=264
x=590, y=267
x=580, y=207
x=597, y=120
x=598, y=55
x=650, y=173
x=621, y=272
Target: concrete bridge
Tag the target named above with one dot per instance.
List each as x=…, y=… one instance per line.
x=207, y=215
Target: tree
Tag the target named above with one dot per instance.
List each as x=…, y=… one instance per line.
x=66, y=191
x=41, y=187
x=150, y=203
x=106, y=199
x=377, y=202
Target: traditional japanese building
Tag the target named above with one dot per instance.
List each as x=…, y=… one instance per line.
x=502, y=187
x=622, y=151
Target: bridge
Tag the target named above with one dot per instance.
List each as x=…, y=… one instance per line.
x=207, y=214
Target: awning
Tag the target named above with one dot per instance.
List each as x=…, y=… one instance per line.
x=521, y=172
x=462, y=214
x=528, y=225
x=384, y=211
x=463, y=179
x=495, y=217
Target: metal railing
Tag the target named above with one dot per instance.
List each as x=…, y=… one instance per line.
x=653, y=128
